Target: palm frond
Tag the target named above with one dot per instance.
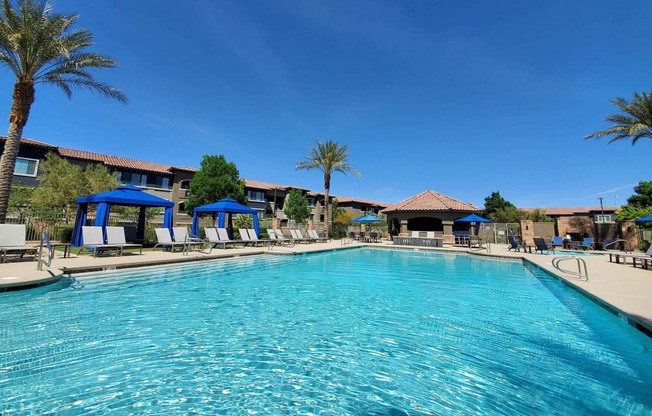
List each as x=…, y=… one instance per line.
x=84, y=83
x=328, y=157
x=38, y=45
x=636, y=124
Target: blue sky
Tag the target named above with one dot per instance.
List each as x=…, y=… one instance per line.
x=464, y=98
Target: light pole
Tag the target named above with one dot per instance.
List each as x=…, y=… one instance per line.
x=614, y=197
x=601, y=207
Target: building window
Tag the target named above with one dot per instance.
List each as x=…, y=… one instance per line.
x=132, y=178
x=604, y=218
x=148, y=181
x=26, y=167
x=184, y=184
x=311, y=202
x=255, y=195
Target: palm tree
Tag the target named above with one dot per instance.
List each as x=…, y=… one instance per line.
x=40, y=47
x=328, y=157
x=635, y=123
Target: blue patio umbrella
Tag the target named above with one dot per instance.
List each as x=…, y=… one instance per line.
x=472, y=218
x=368, y=218
x=644, y=219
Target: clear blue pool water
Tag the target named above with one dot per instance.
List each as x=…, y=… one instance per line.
x=357, y=332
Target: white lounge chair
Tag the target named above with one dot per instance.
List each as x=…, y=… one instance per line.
x=298, y=237
x=223, y=234
x=415, y=234
x=244, y=237
x=211, y=236
x=164, y=238
x=116, y=236
x=181, y=236
x=93, y=239
x=430, y=234
x=278, y=237
x=12, y=241
x=645, y=258
x=316, y=237
x=254, y=237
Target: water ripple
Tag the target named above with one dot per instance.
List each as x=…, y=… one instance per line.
x=361, y=332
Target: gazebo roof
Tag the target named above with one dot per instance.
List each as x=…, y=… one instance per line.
x=226, y=205
x=126, y=195
x=431, y=201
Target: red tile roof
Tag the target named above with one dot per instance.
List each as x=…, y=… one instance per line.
x=431, y=201
x=345, y=199
x=115, y=161
x=111, y=161
x=263, y=185
x=570, y=210
x=32, y=142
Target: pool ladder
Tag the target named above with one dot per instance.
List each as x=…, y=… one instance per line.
x=207, y=247
x=582, y=272
x=39, y=260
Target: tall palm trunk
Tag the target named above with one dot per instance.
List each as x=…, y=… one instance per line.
x=23, y=99
x=327, y=189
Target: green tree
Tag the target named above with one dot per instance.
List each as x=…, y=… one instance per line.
x=328, y=157
x=243, y=221
x=494, y=203
x=633, y=212
x=635, y=123
x=41, y=47
x=507, y=214
x=538, y=215
x=296, y=206
x=62, y=183
x=217, y=179
x=20, y=198
x=643, y=195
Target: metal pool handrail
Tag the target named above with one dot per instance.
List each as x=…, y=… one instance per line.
x=40, y=261
x=615, y=242
x=582, y=271
x=187, y=246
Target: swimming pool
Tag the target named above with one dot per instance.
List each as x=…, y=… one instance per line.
x=361, y=332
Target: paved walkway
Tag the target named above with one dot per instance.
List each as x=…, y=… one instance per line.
x=622, y=287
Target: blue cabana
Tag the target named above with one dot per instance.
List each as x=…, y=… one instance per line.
x=368, y=218
x=223, y=207
x=123, y=195
x=472, y=218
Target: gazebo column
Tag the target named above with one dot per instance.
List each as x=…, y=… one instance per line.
x=449, y=238
x=404, y=227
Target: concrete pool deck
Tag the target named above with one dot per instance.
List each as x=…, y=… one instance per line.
x=619, y=287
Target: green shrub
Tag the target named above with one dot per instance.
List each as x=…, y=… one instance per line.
x=63, y=233
x=338, y=230
x=644, y=245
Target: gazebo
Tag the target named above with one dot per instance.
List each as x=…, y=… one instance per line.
x=221, y=208
x=126, y=195
x=427, y=211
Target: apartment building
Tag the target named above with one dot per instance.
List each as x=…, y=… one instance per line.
x=173, y=182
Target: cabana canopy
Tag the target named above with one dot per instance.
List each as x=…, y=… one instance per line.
x=472, y=218
x=223, y=207
x=128, y=195
x=368, y=218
